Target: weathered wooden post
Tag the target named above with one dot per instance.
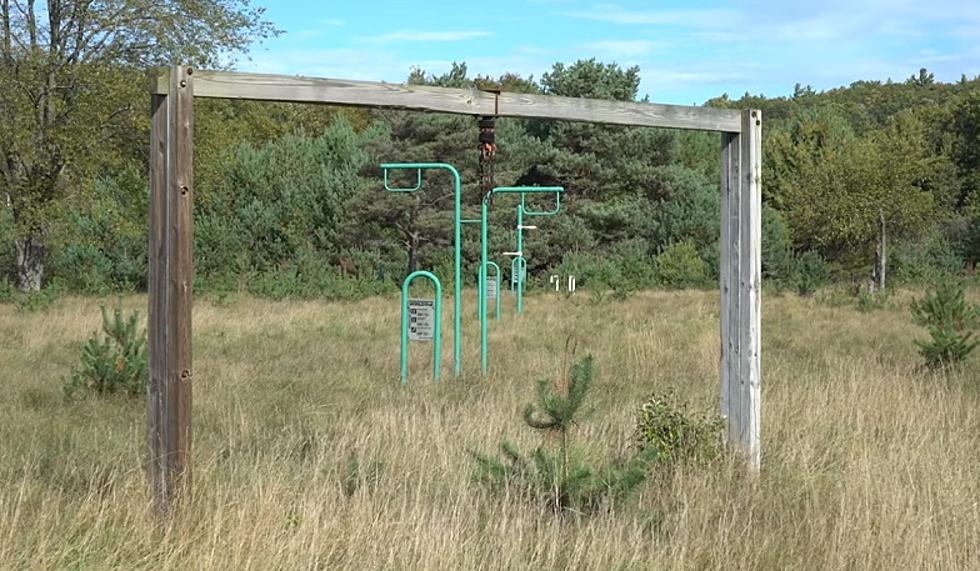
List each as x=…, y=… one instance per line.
x=169, y=285
x=741, y=300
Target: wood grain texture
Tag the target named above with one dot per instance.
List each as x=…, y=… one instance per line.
x=740, y=282
x=750, y=287
x=169, y=273
x=232, y=85
x=618, y=112
x=728, y=277
x=157, y=272
x=236, y=85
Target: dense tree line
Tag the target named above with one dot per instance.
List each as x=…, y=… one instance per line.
x=289, y=199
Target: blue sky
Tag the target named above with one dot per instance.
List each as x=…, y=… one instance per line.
x=687, y=52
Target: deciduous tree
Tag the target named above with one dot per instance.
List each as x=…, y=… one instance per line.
x=71, y=88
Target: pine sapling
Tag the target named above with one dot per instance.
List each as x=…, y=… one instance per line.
x=553, y=474
x=113, y=362
x=950, y=321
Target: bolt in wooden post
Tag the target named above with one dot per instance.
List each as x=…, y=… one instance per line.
x=169, y=285
x=741, y=270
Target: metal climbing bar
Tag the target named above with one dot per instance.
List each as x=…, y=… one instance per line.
x=518, y=266
x=482, y=304
x=518, y=279
x=389, y=188
x=457, y=243
x=412, y=320
x=496, y=289
x=551, y=212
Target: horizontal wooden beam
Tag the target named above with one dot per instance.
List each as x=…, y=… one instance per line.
x=619, y=112
x=237, y=85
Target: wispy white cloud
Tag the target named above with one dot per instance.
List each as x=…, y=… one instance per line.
x=400, y=36
x=320, y=27
x=625, y=48
x=694, y=18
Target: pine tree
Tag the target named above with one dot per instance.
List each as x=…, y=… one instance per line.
x=554, y=475
x=115, y=361
x=950, y=321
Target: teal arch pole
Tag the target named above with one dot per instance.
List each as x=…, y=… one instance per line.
x=482, y=305
x=522, y=265
x=496, y=277
x=437, y=334
x=457, y=241
x=518, y=264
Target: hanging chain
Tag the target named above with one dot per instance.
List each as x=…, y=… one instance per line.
x=488, y=148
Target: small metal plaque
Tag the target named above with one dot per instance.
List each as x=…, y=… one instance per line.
x=492, y=289
x=421, y=319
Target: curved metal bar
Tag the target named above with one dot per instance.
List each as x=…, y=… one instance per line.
x=496, y=277
x=544, y=212
x=521, y=280
x=437, y=334
x=482, y=295
x=418, y=181
x=457, y=249
x=518, y=275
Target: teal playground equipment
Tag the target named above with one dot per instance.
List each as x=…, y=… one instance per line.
x=482, y=305
x=518, y=266
x=457, y=241
x=421, y=321
x=494, y=286
x=484, y=286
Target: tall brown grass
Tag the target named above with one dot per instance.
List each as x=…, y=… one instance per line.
x=868, y=462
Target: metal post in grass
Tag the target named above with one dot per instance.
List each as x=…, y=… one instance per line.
x=495, y=289
x=520, y=262
x=421, y=321
x=457, y=241
x=482, y=304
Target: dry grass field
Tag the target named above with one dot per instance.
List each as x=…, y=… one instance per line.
x=868, y=462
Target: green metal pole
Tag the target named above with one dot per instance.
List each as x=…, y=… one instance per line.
x=457, y=243
x=521, y=264
x=496, y=277
x=513, y=262
x=483, y=285
x=437, y=334
x=457, y=278
x=482, y=296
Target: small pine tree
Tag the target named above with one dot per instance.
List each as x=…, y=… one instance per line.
x=115, y=361
x=950, y=321
x=554, y=475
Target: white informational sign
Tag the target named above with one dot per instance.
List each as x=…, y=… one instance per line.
x=421, y=319
x=492, y=289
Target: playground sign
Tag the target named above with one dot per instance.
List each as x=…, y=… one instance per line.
x=421, y=319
